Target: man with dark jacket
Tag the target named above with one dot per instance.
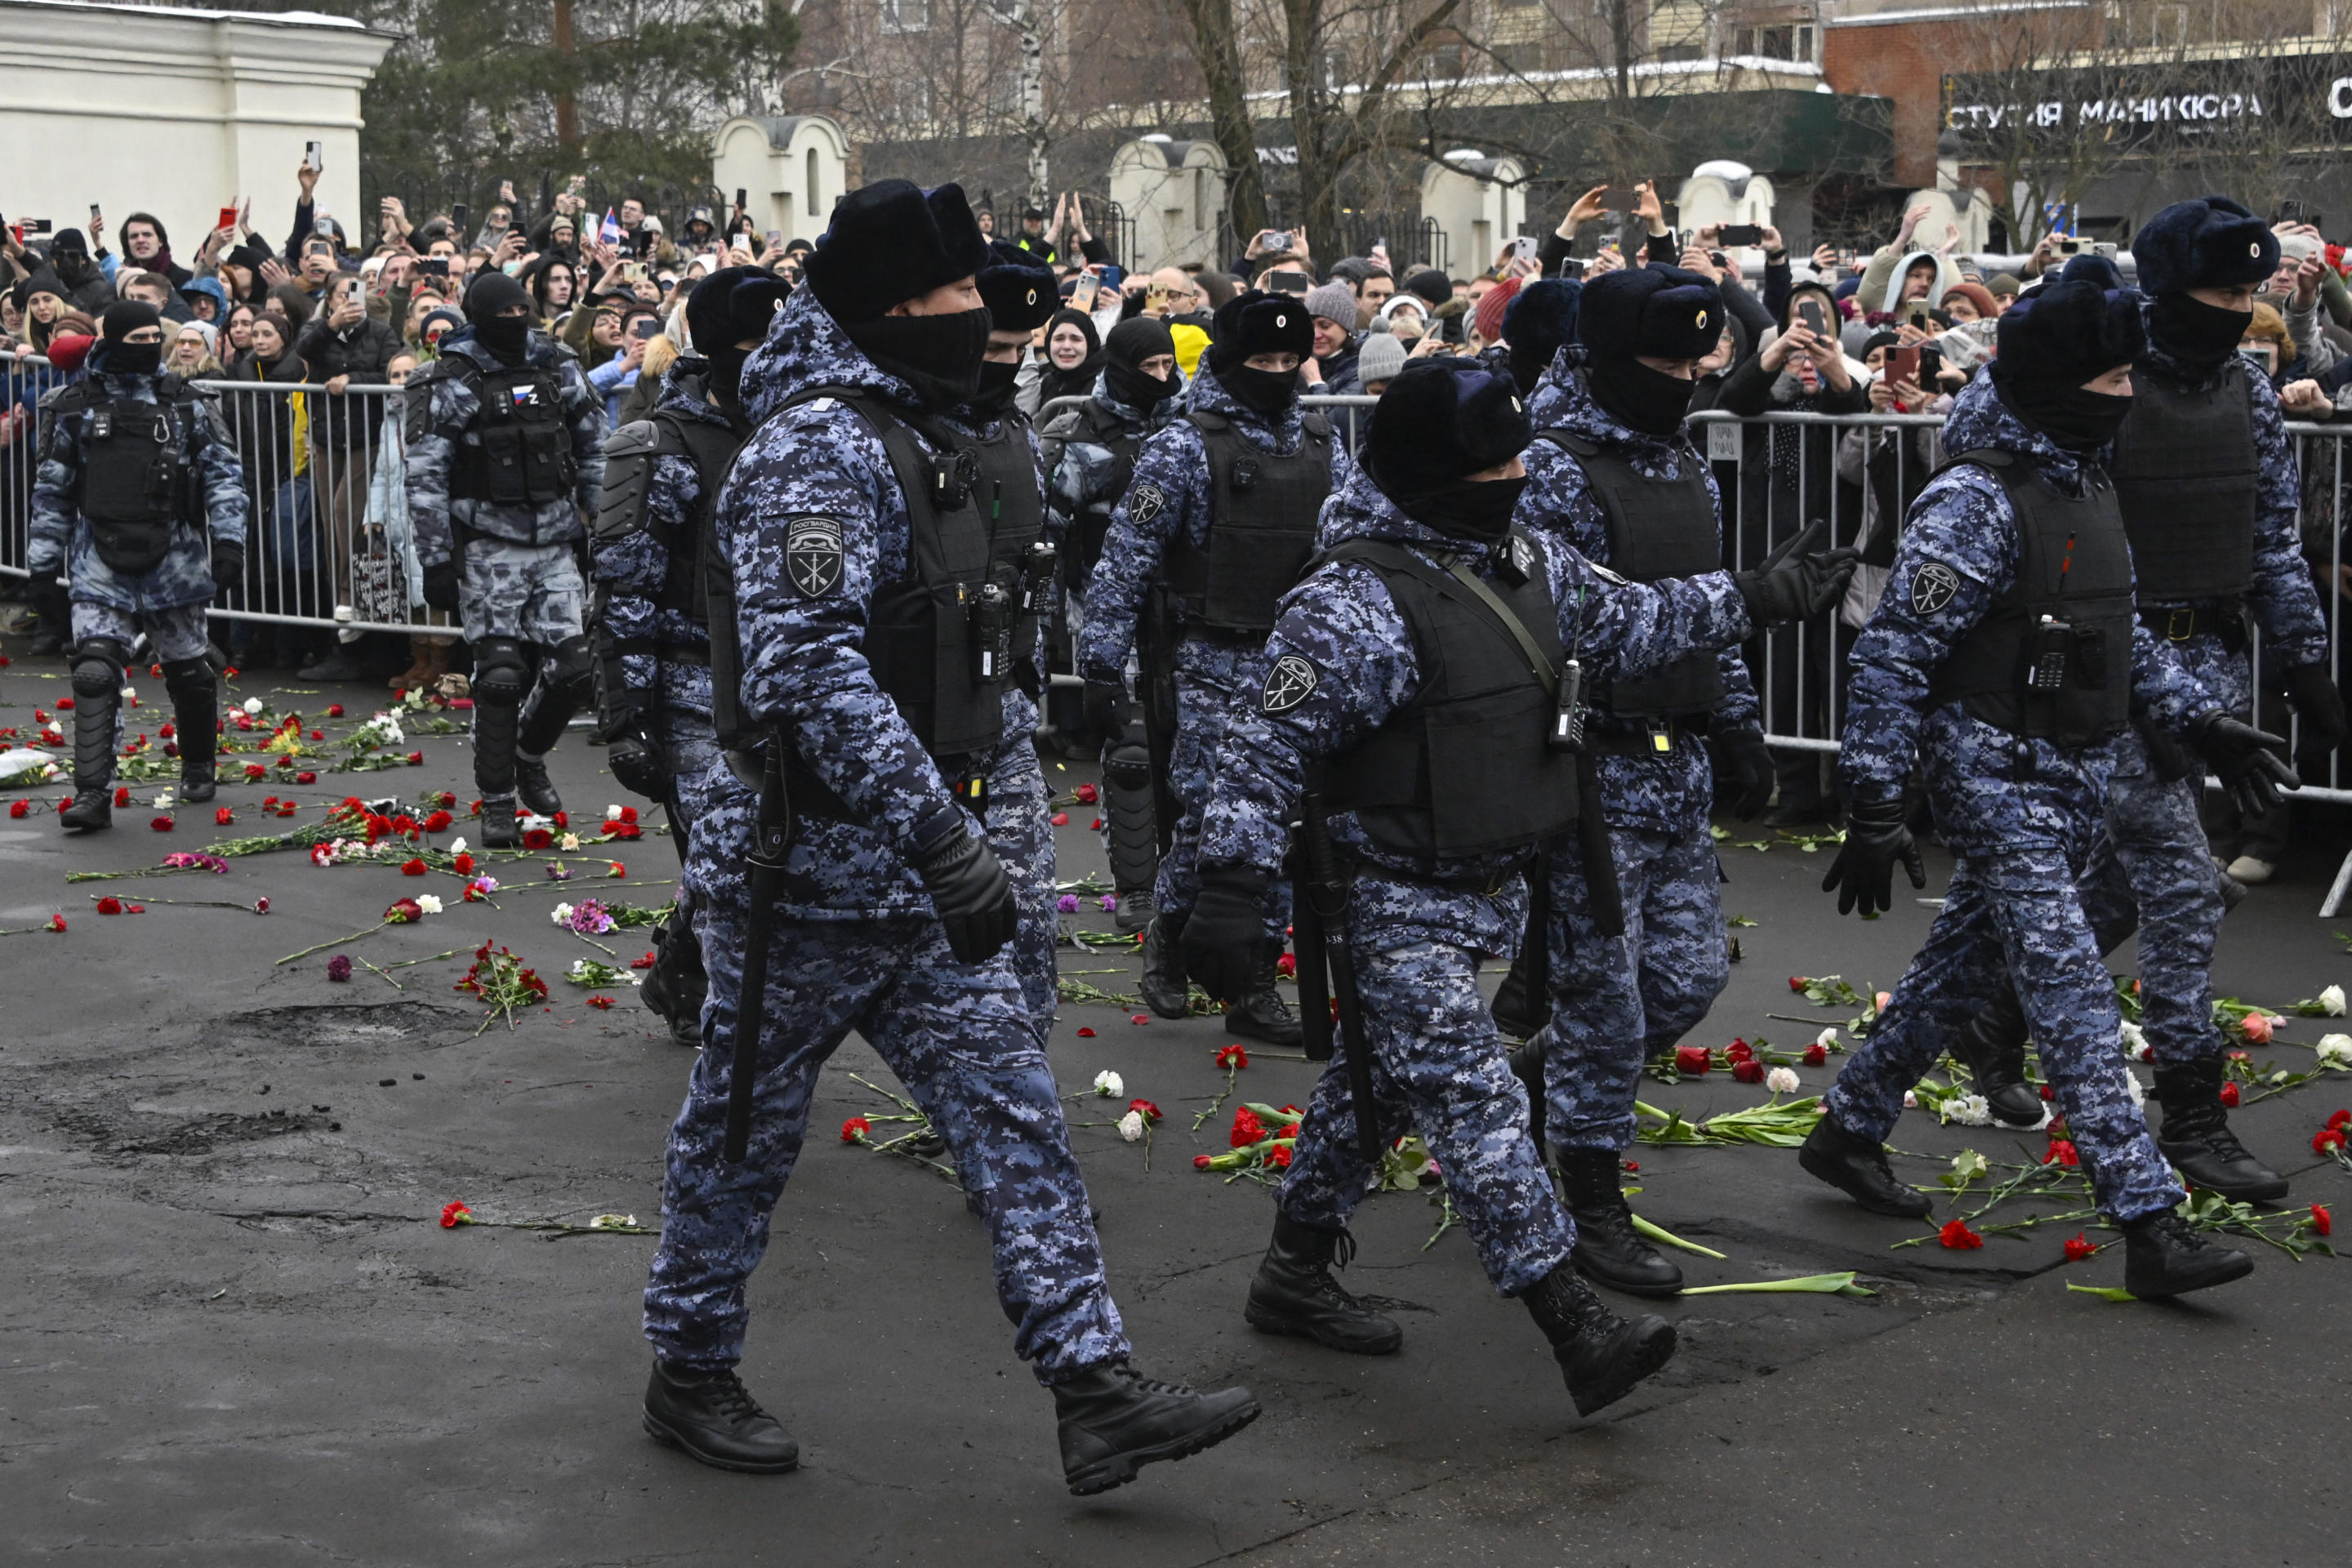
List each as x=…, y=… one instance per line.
x=343, y=346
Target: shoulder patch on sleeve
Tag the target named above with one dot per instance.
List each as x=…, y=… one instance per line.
x=1145, y=502
x=1290, y=682
x=1932, y=587
x=812, y=554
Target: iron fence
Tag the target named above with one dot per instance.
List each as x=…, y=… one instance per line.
x=329, y=546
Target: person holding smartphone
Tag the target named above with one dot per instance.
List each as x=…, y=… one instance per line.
x=2205, y=483
x=343, y=346
x=2006, y=663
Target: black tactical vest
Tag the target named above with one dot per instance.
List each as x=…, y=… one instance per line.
x=1263, y=508
x=518, y=452
x=624, y=504
x=1463, y=769
x=136, y=476
x=942, y=641
x=2051, y=661
x=1124, y=441
x=2185, y=473
x=1658, y=529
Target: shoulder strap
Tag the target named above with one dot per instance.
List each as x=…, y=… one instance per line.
x=1578, y=445
x=1208, y=419
x=1455, y=577
x=1316, y=425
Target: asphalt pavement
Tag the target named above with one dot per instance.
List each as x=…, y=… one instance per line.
x=234, y=1332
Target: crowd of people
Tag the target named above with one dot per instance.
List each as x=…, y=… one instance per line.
x=1457, y=674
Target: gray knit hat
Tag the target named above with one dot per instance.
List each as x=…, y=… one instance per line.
x=1333, y=302
x=1380, y=359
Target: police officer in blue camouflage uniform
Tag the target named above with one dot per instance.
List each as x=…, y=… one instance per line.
x=871, y=603
x=1412, y=685
x=1090, y=453
x=1613, y=475
x=653, y=643
x=2006, y=659
x=137, y=478
x=506, y=451
x=1219, y=520
x=2207, y=482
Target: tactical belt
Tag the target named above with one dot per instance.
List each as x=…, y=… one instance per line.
x=1645, y=738
x=812, y=798
x=2178, y=623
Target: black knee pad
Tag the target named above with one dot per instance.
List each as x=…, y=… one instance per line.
x=501, y=672
x=98, y=665
x=570, y=666
x=190, y=677
x=1127, y=766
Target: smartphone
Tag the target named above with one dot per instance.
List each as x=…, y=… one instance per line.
x=434, y=266
x=2068, y=246
x=633, y=272
x=1571, y=267
x=458, y=214
x=1155, y=298
x=645, y=329
x=1814, y=315
x=314, y=156
x=1289, y=282
x=93, y=212
x=742, y=199
x=1621, y=198
x=1916, y=312
x=1931, y=365
x=227, y=219
x=2292, y=210
x=1276, y=239
x=1524, y=249
x=1742, y=234
x=34, y=225
x=1111, y=275
x=1082, y=297
x=1902, y=366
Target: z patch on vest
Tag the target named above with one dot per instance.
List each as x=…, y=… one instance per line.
x=1932, y=587
x=1144, y=502
x=1289, y=683
x=813, y=556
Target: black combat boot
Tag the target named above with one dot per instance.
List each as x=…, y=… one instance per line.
x=97, y=697
x=1991, y=1046
x=499, y=829
x=532, y=784
x=1261, y=1014
x=712, y=1417
x=1294, y=1293
x=2196, y=1136
x=1601, y=1355
x=2163, y=1256
x=1130, y=835
x=196, y=715
x=1166, y=989
x=1608, y=1250
x=1113, y=1420
x=1857, y=1166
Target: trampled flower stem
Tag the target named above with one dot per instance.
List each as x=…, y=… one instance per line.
x=337, y=943
x=1660, y=1234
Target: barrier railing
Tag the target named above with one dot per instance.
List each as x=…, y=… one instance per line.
x=329, y=543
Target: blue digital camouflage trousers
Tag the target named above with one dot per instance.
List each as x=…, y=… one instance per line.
x=2018, y=906
x=1617, y=1001
x=175, y=634
x=1438, y=1070
x=960, y=1038
x=1208, y=673
x=1021, y=833
x=2152, y=871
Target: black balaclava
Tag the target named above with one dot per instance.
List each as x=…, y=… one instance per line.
x=488, y=299
x=730, y=305
x=938, y=357
x=2065, y=333
x=1440, y=421
x=1133, y=341
x=2074, y=418
x=1258, y=323
x=998, y=381
x=1642, y=399
x=123, y=318
x=1661, y=312
x=2194, y=332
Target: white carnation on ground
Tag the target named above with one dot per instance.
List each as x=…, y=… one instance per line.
x=1110, y=1085
x=1780, y=1081
x=559, y=913
x=1969, y=1110
x=428, y=903
x=1130, y=1127
x=2336, y=1051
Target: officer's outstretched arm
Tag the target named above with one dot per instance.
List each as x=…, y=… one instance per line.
x=436, y=411
x=53, y=488
x=1338, y=662
x=1631, y=628
x=1171, y=482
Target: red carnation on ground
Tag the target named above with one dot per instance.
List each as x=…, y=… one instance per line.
x=2322, y=1222
x=1231, y=1056
x=56, y=922
x=444, y=800
x=1286, y=967
x=17, y=808
x=538, y=839
x=306, y=778
x=1278, y=1157
x=1692, y=1060
x=65, y=704
x=1150, y=1111
x=855, y=1129
x=647, y=961
x=1817, y=1055
x=334, y=710
x=255, y=773
x=2230, y=1094
x=163, y=824
x=2340, y=1121
x=1247, y=1128
x=2061, y=1151
x=602, y=1003
x=463, y=865
x=1956, y=1236
x=339, y=968
x=412, y=867
x=438, y=822
x=222, y=817
x=454, y=1215
x=2327, y=1140
x=121, y=794
x=109, y=906
x=2078, y=1248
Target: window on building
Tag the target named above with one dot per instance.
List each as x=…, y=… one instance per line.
x=906, y=16
x=1779, y=41
x=808, y=185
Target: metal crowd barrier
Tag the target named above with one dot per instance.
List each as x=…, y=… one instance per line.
x=329, y=545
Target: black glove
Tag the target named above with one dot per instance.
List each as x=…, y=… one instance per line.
x=637, y=763
x=2318, y=704
x=228, y=567
x=2249, y=762
x=971, y=893
x=1742, y=752
x=1875, y=837
x=441, y=585
x=1798, y=588
x=1106, y=710
x=1225, y=936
